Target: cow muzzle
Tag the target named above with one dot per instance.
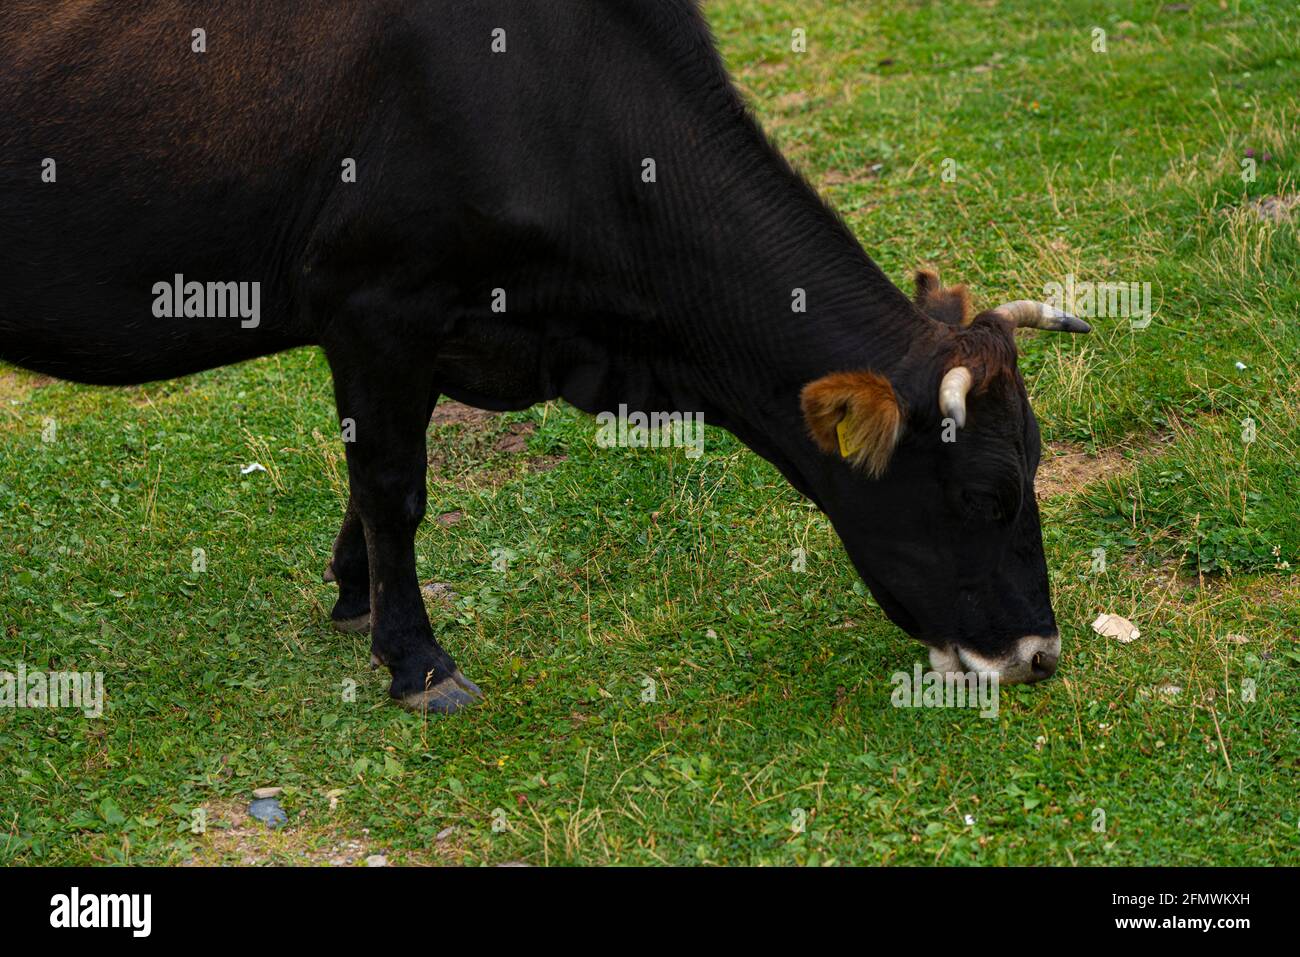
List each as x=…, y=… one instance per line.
x=1032, y=658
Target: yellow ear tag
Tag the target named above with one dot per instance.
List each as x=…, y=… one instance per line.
x=841, y=431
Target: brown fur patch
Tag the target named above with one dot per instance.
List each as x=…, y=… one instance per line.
x=987, y=346
x=866, y=404
x=950, y=305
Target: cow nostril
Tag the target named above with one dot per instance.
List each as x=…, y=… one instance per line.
x=1043, y=665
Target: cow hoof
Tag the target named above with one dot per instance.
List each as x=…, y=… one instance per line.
x=329, y=575
x=465, y=683
x=446, y=697
x=352, y=625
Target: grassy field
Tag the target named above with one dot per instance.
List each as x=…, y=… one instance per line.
x=629, y=566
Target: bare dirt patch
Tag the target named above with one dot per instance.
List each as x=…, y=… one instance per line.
x=544, y=463
x=766, y=68
x=516, y=440
x=837, y=177
x=1066, y=467
x=464, y=441
x=1277, y=209
x=16, y=383
x=1273, y=209
x=791, y=102
x=448, y=412
x=233, y=837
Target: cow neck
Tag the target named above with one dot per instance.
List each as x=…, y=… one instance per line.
x=761, y=287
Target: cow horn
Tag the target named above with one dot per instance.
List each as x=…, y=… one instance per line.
x=952, y=394
x=1027, y=314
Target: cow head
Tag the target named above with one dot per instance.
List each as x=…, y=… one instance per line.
x=929, y=480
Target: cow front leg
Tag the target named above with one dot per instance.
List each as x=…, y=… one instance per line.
x=389, y=402
x=349, y=568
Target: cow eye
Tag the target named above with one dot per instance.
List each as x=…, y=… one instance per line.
x=989, y=507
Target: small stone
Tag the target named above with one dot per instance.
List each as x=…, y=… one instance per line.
x=445, y=833
x=376, y=860
x=269, y=812
x=260, y=793
x=439, y=591
x=1236, y=639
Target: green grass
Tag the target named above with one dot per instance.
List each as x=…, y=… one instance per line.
x=772, y=686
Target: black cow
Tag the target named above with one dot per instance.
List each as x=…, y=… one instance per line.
x=506, y=203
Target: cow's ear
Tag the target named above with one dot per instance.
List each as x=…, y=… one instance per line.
x=950, y=305
x=927, y=284
x=854, y=415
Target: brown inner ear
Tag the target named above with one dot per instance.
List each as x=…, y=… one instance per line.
x=950, y=305
x=868, y=408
